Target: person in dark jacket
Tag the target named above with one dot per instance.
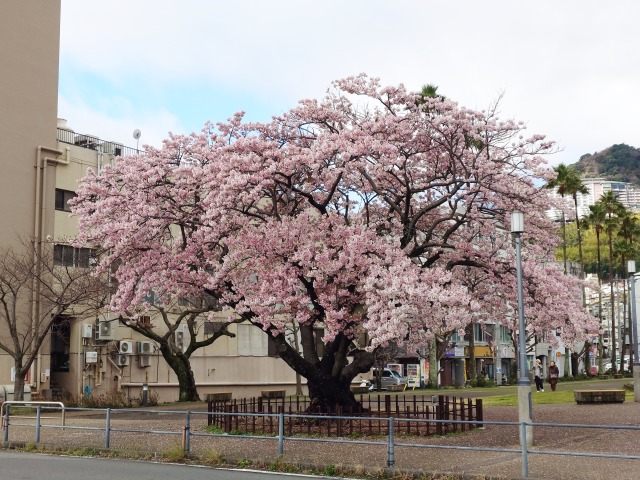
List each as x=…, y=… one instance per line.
x=554, y=373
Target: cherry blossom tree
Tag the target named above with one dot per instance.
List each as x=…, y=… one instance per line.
x=358, y=213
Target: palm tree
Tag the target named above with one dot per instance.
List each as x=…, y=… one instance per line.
x=561, y=184
x=568, y=182
x=596, y=220
x=614, y=210
x=625, y=247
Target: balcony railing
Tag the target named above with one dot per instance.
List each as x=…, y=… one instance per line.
x=94, y=143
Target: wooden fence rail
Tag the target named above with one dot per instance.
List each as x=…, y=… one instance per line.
x=237, y=418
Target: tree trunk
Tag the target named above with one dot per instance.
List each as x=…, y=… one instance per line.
x=600, y=337
x=575, y=358
x=182, y=368
x=567, y=362
x=327, y=393
x=613, y=318
x=329, y=375
x=433, y=363
x=471, y=367
x=18, y=383
x=587, y=345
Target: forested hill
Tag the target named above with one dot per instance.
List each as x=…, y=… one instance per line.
x=618, y=162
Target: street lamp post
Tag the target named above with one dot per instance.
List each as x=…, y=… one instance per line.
x=524, y=384
x=631, y=267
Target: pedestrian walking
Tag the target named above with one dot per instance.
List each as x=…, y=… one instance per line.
x=554, y=372
x=537, y=375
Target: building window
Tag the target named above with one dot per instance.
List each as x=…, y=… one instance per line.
x=505, y=334
x=199, y=302
x=213, y=327
x=479, y=333
x=68, y=256
x=62, y=199
x=252, y=341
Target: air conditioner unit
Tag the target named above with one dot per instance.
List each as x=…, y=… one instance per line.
x=144, y=360
x=179, y=339
x=104, y=331
x=125, y=347
x=87, y=330
x=122, y=360
x=145, y=347
x=112, y=149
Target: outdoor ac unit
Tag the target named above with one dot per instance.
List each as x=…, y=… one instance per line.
x=87, y=330
x=122, y=360
x=145, y=347
x=144, y=360
x=104, y=331
x=125, y=347
x=112, y=149
x=179, y=337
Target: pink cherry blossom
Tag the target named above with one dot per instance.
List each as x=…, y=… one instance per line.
x=362, y=212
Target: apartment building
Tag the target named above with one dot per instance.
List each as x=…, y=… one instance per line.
x=627, y=193
x=29, y=96
x=42, y=159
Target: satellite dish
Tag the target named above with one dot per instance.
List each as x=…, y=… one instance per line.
x=136, y=134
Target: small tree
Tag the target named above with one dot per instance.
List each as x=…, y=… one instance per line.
x=178, y=357
x=35, y=293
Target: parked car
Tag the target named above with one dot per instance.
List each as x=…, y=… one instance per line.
x=607, y=365
x=389, y=377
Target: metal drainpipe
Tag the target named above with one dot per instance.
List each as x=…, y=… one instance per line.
x=41, y=164
x=119, y=385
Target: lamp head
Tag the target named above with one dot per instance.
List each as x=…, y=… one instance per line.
x=517, y=222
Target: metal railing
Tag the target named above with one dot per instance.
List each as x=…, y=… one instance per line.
x=48, y=405
x=391, y=442
x=95, y=143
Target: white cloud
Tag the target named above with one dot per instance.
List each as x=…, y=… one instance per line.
x=569, y=69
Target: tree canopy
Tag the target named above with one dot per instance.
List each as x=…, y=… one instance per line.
x=364, y=212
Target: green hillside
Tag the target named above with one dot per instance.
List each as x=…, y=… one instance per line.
x=618, y=162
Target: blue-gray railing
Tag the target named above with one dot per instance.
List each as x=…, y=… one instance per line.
x=390, y=442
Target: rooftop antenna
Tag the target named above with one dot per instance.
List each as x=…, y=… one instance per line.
x=136, y=135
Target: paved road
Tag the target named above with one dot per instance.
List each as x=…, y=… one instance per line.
x=29, y=466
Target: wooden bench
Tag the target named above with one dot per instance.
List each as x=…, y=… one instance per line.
x=598, y=396
x=218, y=397
x=359, y=389
x=395, y=388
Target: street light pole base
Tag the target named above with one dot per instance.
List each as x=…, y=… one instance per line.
x=524, y=411
x=636, y=381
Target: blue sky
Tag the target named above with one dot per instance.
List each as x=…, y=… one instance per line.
x=568, y=69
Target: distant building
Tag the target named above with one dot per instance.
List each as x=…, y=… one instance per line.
x=627, y=193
